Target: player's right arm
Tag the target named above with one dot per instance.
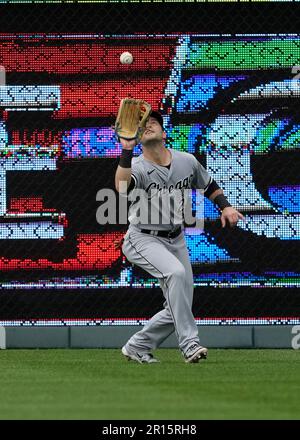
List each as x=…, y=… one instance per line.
x=123, y=173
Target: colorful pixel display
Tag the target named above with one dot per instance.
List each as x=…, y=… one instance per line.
x=232, y=101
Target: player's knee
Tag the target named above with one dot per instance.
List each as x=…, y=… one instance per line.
x=178, y=272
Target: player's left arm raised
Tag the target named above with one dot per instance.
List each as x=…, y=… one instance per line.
x=229, y=214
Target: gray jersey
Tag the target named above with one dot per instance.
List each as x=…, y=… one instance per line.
x=160, y=184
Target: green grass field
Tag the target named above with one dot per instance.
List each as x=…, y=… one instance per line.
x=101, y=384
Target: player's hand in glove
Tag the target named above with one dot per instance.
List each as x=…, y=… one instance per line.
x=128, y=145
x=131, y=121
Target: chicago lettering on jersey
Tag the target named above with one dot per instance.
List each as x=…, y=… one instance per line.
x=184, y=183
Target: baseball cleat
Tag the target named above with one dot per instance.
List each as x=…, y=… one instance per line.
x=195, y=353
x=141, y=358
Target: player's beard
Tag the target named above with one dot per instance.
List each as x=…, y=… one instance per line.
x=153, y=141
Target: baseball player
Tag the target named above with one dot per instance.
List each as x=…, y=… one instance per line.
x=160, y=248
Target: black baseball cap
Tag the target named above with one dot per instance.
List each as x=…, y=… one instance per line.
x=158, y=117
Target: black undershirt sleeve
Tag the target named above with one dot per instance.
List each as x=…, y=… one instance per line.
x=212, y=187
x=221, y=201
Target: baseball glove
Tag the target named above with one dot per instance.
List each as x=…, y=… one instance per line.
x=132, y=118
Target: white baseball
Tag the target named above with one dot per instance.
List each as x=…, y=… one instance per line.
x=126, y=58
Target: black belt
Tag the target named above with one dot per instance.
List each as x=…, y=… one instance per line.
x=168, y=234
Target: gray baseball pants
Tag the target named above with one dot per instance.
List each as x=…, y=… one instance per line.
x=168, y=260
